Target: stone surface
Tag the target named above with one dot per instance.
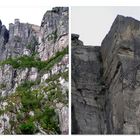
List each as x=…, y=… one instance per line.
x=111, y=86
x=41, y=42
x=54, y=30
x=87, y=97
x=120, y=55
x=4, y=37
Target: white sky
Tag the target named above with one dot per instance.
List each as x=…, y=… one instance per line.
x=93, y=23
x=30, y=11
x=31, y=15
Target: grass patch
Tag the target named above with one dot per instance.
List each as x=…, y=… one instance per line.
x=54, y=77
x=31, y=100
x=27, y=128
x=30, y=61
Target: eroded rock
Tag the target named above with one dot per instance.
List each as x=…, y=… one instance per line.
x=105, y=81
x=22, y=50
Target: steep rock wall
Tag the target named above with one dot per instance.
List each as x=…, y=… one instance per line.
x=87, y=97
x=119, y=81
x=33, y=85
x=120, y=55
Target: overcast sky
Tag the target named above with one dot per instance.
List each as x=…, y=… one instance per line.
x=29, y=14
x=30, y=11
x=93, y=23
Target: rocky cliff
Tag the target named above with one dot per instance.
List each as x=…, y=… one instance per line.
x=106, y=82
x=34, y=75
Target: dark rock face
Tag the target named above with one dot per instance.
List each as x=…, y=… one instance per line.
x=4, y=36
x=120, y=54
x=21, y=36
x=119, y=81
x=87, y=98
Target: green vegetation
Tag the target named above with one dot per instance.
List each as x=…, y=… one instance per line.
x=26, y=86
x=27, y=128
x=55, y=93
x=49, y=120
x=57, y=76
x=30, y=100
x=53, y=89
x=27, y=100
x=30, y=106
x=30, y=61
x=1, y=111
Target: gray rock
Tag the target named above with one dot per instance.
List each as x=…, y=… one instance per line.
x=4, y=37
x=54, y=30
x=87, y=99
x=105, y=89
x=120, y=55
x=41, y=42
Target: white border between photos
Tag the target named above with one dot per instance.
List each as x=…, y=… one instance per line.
x=69, y=70
x=43, y=3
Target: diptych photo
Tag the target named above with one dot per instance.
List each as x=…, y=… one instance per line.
x=70, y=70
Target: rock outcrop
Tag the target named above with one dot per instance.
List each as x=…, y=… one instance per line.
x=105, y=82
x=4, y=37
x=34, y=75
x=87, y=97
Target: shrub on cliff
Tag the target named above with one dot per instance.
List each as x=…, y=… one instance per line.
x=30, y=61
x=27, y=128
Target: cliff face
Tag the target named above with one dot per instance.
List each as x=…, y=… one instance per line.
x=117, y=77
x=87, y=97
x=4, y=36
x=120, y=55
x=54, y=30
x=34, y=75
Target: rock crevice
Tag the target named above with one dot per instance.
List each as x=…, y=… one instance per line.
x=112, y=79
